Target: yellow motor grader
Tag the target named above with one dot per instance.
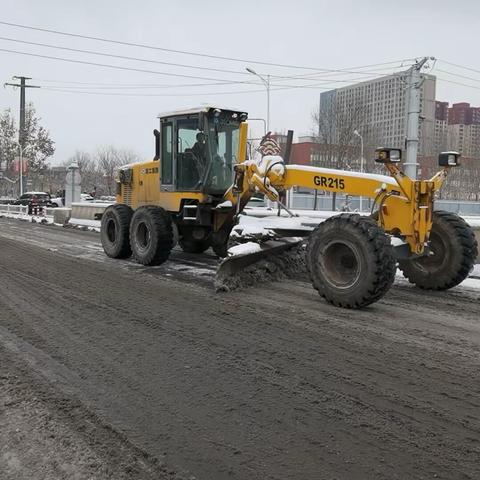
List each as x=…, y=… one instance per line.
x=200, y=180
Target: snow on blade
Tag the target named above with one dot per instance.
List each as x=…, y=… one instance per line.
x=244, y=249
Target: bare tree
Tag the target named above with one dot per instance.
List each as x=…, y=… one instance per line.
x=334, y=125
x=109, y=160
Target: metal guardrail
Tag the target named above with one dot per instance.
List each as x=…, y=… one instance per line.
x=23, y=210
x=306, y=201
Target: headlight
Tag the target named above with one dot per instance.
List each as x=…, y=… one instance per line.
x=384, y=155
x=449, y=159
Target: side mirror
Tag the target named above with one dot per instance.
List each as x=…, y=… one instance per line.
x=385, y=155
x=449, y=159
x=157, y=144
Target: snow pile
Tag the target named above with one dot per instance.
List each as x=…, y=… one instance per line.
x=275, y=267
x=28, y=218
x=87, y=225
x=244, y=248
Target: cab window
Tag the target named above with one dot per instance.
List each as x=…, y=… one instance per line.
x=166, y=158
x=191, y=155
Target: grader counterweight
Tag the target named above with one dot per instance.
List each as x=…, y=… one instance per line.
x=201, y=180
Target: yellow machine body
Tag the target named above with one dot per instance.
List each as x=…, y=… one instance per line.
x=144, y=189
x=405, y=206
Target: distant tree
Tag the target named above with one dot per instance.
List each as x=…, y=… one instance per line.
x=37, y=138
x=8, y=137
x=337, y=146
x=109, y=160
x=333, y=130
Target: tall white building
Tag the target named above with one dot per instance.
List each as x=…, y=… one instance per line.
x=380, y=106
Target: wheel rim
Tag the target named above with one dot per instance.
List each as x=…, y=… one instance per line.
x=111, y=230
x=340, y=264
x=438, y=257
x=143, y=236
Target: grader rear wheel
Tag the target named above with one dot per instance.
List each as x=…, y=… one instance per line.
x=114, y=231
x=454, y=250
x=151, y=235
x=350, y=260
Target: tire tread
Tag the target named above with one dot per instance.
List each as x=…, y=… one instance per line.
x=385, y=264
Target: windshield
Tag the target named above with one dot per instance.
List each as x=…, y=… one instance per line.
x=191, y=155
x=222, y=138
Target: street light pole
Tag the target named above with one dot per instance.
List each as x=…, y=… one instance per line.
x=266, y=82
x=357, y=133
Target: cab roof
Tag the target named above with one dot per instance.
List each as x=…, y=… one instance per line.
x=193, y=110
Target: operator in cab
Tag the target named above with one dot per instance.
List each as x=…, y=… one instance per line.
x=199, y=150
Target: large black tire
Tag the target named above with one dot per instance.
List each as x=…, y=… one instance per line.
x=151, y=235
x=350, y=261
x=190, y=245
x=114, y=231
x=454, y=252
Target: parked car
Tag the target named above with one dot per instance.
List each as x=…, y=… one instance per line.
x=41, y=198
x=56, y=201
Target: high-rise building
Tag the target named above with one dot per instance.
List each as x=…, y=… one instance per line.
x=378, y=109
x=463, y=114
x=441, y=124
x=457, y=128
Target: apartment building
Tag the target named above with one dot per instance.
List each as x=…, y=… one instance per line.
x=380, y=106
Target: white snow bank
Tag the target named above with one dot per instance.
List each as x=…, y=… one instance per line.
x=472, y=221
x=28, y=218
x=93, y=225
x=272, y=221
x=244, y=249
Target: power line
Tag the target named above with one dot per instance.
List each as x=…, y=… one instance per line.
x=109, y=86
x=118, y=67
x=458, y=83
x=120, y=86
x=184, y=52
x=316, y=86
x=457, y=65
x=458, y=75
x=123, y=57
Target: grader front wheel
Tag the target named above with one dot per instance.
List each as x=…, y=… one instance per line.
x=350, y=260
x=453, y=252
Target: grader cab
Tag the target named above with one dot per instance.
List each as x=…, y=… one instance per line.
x=200, y=181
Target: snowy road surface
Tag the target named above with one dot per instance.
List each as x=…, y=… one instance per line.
x=111, y=370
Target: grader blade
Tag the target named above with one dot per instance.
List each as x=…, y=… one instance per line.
x=236, y=263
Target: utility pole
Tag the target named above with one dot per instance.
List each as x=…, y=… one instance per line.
x=414, y=85
x=22, y=85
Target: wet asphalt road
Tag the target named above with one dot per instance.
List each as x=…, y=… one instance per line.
x=263, y=383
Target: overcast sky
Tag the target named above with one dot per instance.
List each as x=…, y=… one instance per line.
x=340, y=34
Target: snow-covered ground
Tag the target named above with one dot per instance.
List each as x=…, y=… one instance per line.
x=92, y=225
x=28, y=218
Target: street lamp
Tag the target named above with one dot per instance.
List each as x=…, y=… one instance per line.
x=356, y=132
x=266, y=82
x=22, y=150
